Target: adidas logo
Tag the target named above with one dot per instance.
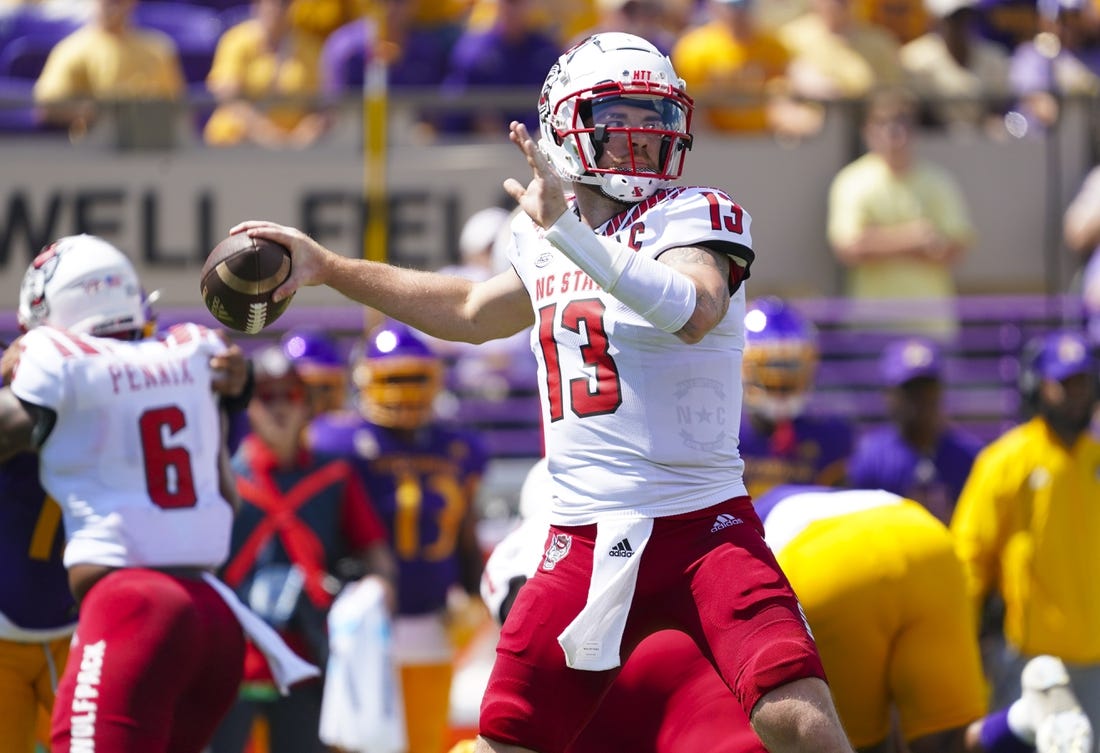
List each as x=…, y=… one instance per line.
x=622, y=549
x=725, y=520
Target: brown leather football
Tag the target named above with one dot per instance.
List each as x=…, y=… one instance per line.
x=238, y=278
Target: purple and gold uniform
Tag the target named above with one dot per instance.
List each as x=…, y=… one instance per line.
x=780, y=444
x=805, y=450
x=887, y=602
x=37, y=612
x=422, y=479
x=420, y=488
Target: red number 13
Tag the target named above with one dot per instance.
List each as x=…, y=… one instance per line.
x=586, y=398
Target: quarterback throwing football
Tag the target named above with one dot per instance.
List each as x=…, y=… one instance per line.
x=633, y=286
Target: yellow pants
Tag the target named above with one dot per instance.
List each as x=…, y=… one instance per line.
x=28, y=678
x=884, y=585
x=426, y=689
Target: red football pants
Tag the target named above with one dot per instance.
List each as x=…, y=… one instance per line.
x=155, y=663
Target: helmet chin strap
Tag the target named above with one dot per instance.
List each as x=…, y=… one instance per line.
x=601, y=186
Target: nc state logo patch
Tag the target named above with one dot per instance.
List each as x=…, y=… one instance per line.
x=560, y=544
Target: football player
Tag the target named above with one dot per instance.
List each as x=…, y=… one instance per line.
x=667, y=698
x=633, y=287
x=317, y=359
x=37, y=611
x=886, y=598
x=129, y=440
x=780, y=443
x=884, y=595
x=423, y=479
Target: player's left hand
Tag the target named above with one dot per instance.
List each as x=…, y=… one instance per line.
x=229, y=370
x=543, y=199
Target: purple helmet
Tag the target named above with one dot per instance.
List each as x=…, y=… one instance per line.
x=317, y=359
x=398, y=377
x=780, y=359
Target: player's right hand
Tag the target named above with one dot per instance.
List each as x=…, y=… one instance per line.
x=543, y=199
x=308, y=257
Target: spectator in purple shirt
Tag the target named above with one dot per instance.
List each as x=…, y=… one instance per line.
x=1063, y=60
x=919, y=455
x=416, y=55
x=510, y=54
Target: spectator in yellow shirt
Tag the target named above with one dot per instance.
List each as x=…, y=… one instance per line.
x=260, y=59
x=963, y=75
x=730, y=59
x=905, y=20
x=1027, y=521
x=107, y=59
x=837, y=56
x=899, y=223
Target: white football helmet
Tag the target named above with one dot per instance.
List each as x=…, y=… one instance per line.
x=85, y=285
x=605, y=68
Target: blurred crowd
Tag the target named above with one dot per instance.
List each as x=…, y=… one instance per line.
x=272, y=69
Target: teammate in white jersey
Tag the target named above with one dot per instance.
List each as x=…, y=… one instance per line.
x=634, y=289
x=131, y=445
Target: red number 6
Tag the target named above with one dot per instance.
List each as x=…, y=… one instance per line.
x=167, y=469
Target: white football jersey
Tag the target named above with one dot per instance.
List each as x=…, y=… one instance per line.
x=133, y=456
x=635, y=419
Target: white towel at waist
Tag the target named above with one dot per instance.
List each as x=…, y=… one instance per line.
x=286, y=666
x=592, y=640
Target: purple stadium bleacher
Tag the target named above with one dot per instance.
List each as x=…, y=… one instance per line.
x=234, y=15
x=195, y=59
x=32, y=21
x=981, y=362
x=16, y=116
x=23, y=57
x=217, y=5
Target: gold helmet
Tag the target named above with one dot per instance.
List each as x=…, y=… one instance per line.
x=780, y=363
x=398, y=377
x=317, y=357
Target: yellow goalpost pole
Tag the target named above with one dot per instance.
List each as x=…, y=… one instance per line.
x=375, y=157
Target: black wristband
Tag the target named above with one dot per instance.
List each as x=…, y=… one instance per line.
x=239, y=402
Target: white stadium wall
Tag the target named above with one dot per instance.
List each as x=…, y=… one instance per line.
x=167, y=209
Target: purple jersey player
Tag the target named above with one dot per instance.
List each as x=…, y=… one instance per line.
x=780, y=444
x=422, y=479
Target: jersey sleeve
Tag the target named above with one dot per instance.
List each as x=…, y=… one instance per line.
x=207, y=338
x=39, y=379
x=846, y=220
x=700, y=216
x=862, y=466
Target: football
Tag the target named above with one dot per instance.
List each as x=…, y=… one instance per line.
x=238, y=278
